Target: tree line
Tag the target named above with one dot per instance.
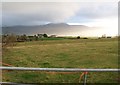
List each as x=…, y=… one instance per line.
x=11, y=39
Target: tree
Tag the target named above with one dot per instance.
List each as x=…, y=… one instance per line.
x=78, y=37
x=104, y=36
x=36, y=37
x=9, y=40
x=45, y=35
x=22, y=38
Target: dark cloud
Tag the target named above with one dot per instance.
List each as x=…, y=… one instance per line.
x=20, y=13
x=29, y=13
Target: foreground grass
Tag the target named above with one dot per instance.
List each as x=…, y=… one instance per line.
x=66, y=53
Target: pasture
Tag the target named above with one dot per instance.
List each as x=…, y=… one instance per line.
x=63, y=53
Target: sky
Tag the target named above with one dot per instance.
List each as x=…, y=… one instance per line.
x=103, y=15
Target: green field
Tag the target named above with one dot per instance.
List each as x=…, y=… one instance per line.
x=62, y=53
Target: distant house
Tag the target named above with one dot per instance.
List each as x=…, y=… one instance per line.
x=53, y=36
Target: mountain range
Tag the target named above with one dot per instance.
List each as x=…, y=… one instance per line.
x=60, y=29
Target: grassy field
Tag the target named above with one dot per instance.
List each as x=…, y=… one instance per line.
x=63, y=53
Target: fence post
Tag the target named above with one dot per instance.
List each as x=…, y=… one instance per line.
x=85, y=78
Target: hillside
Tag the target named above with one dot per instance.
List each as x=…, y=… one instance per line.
x=51, y=28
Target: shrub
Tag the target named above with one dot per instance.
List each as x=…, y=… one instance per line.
x=78, y=37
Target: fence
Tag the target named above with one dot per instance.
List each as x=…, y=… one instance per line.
x=59, y=70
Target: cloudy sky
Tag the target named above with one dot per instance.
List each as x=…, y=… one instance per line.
x=93, y=14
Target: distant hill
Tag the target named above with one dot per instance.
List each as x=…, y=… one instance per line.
x=51, y=28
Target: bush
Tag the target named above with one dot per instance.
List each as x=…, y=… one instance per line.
x=22, y=38
x=85, y=38
x=78, y=37
x=9, y=40
x=45, y=35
